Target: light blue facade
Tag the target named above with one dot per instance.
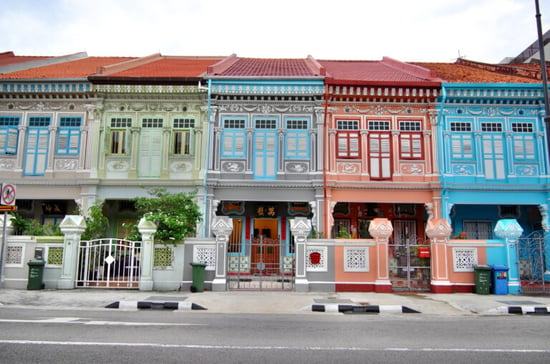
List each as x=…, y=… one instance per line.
x=493, y=159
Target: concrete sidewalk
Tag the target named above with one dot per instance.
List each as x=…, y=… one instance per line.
x=277, y=302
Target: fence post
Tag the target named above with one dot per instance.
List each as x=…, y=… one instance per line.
x=300, y=227
x=381, y=230
x=7, y=229
x=439, y=231
x=222, y=226
x=509, y=230
x=146, y=229
x=72, y=228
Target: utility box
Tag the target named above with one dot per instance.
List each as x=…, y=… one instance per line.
x=483, y=279
x=500, y=279
x=198, y=277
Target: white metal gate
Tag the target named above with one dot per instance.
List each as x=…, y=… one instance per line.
x=264, y=266
x=531, y=263
x=109, y=263
x=409, y=260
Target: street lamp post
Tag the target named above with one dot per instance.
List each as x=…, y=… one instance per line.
x=543, y=74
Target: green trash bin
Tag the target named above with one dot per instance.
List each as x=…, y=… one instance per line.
x=483, y=279
x=198, y=277
x=36, y=274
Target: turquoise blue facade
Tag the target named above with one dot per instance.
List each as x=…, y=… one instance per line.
x=493, y=161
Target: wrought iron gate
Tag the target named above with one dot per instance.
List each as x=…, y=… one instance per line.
x=109, y=263
x=264, y=265
x=531, y=263
x=409, y=258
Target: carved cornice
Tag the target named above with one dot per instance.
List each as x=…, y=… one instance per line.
x=149, y=89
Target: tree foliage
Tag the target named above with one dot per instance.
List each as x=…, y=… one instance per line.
x=176, y=215
x=97, y=224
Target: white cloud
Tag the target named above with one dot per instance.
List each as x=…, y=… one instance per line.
x=421, y=30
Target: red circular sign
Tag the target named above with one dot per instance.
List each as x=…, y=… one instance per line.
x=8, y=194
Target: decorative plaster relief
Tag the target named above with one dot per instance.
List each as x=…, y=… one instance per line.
x=297, y=167
x=464, y=259
x=233, y=167
x=7, y=164
x=179, y=166
x=356, y=259
x=415, y=169
x=118, y=166
x=464, y=169
x=348, y=167
x=526, y=170
x=66, y=164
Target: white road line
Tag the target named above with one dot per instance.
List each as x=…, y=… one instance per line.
x=239, y=347
x=81, y=321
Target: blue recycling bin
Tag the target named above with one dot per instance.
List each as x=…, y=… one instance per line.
x=500, y=279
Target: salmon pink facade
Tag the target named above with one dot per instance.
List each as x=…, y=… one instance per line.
x=380, y=161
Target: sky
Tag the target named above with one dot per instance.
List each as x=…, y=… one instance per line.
x=407, y=30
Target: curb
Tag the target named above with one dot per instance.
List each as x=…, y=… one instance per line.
x=180, y=306
x=362, y=309
x=523, y=310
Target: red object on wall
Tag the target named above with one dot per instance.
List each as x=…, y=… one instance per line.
x=315, y=258
x=283, y=228
x=423, y=252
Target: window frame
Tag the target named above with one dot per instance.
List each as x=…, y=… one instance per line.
x=9, y=134
x=183, y=136
x=68, y=132
x=296, y=136
x=233, y=131
x=380, y=130
x=121, y=130
x=348, y=139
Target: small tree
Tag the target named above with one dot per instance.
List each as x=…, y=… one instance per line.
x=176, y=215
x=97, y=224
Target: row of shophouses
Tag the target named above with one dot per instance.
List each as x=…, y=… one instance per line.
x=327, y=175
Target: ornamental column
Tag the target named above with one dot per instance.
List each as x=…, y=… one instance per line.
x=72, y=228
x=439, y=231
x=222, y=226
x=509, y=230
x=147, y=229
x=381, y=230
x=300, y=227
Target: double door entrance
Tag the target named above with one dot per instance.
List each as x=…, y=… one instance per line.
x=265, y=261
x=409, y=258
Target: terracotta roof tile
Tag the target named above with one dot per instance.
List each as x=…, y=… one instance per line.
x=170, y=67
x=384, y=71
x=268, y=67
x=452, y=72
x=81, y=68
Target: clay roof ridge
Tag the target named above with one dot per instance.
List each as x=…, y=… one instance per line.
x=222, y=65
x=501, y=68
x=123, y=66
x=46, y=61
x=412, y=69
x=315, y=67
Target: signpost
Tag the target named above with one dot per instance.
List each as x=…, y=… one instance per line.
x=7, y=203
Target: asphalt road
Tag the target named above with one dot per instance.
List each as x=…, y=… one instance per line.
x=107, y=336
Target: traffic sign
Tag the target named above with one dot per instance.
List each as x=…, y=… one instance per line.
x=7, y=194
x=5, y=208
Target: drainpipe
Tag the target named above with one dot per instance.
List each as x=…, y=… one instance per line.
x=441, y=161
x=325, y=154
x=207, y=165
